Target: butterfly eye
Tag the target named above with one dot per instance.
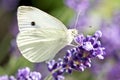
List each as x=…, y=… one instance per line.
x=33, y=23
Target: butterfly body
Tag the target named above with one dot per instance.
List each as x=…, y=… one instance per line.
x=41, y=37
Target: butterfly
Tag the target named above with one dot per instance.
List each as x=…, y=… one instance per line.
x=41, y=35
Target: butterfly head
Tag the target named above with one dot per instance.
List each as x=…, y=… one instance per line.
x=74, y=32
x=71, y=34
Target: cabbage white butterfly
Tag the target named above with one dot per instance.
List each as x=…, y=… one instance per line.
x=41, y=36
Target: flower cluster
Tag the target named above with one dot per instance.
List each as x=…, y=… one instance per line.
x=79, y=57
x=23, y=74
x=6, y=77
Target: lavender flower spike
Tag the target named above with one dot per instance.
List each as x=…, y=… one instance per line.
x=26, y=74
x=23, y=74
x=79, y=57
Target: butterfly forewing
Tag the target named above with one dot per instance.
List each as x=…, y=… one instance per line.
x=31, y=17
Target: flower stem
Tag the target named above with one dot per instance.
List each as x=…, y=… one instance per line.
x=49, y=77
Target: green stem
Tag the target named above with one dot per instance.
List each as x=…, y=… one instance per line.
x=49, y=77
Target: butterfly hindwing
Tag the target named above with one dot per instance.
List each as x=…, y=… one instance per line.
x=40, y=45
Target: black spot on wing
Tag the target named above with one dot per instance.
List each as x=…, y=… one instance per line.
x=33, y=23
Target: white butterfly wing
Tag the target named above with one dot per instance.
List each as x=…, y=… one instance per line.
x=41, y=35
x=31, y=17
x=40, y=45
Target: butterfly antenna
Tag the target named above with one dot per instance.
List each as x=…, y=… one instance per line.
x=76, y=21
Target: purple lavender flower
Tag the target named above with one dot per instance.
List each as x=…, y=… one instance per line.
x=35, y=75
x=6, y=77
x=79, y=57
x=23, y=74
x=26, y=74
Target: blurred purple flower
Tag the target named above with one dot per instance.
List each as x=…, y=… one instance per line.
x=42, y=68
x=9, y=5
x=14, y=31
x=79, y=57
x=96, y=67
x=114, y=73
x=23, y=74
x=14, y=27
x=78, y=5
x=6, y=77
x=81, y=23
x=111, y=35
x=81, y=7
x=116, y=18
x=83, y=20
x=26, y=74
